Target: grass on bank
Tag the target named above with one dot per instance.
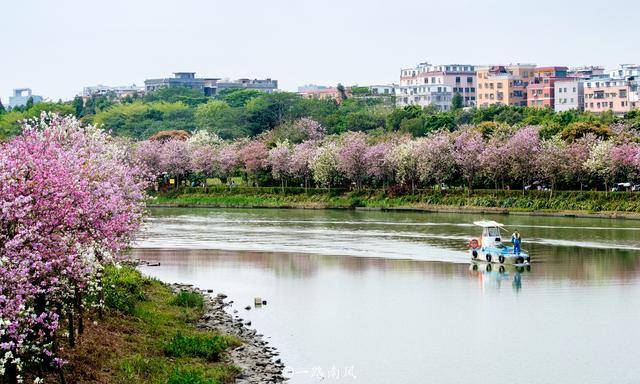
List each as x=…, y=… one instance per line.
x=517, y=201
x=148, y=336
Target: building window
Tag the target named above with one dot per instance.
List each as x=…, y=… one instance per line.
x=469, y=79
x=457, y=79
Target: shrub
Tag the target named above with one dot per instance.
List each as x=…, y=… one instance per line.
x=205, y=346
x=123, y=287
x=188, y=299
x=188, y=376
x=138, y=366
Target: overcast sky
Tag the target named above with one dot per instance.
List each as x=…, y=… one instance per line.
x=57, y=47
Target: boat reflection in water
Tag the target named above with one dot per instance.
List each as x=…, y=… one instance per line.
x=495, y=275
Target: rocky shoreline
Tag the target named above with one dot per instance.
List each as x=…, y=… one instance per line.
x=258, y=360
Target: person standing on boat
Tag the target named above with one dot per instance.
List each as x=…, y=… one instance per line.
x=515, y=239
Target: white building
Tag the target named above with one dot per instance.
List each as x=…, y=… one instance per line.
x=383, y=90
x=569, y=94
x=626, y=72
x=117, y=91
x=461, y=78
x=424, y=95
x=21, y=96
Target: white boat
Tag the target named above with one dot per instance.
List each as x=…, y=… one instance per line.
x=491, y=249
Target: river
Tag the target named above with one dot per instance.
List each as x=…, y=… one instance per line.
x=391, y=297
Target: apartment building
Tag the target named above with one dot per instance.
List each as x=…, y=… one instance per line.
x=619, y=91
x=626, y=71
x=541, y=90
x=116, y=91
x=604, y=94
x=320, y=92
x=586, y=72
x=503, y=85
x=438, y=96
x=569, y=94
x=210, y=86
x=461, y=78
x=179, y=79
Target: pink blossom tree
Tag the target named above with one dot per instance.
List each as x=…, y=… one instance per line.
x=493, y=161
x=578, y=152
x=253, y=156
x=301, y=158
x=228, y=161
x=553, y=162
x=279, y=160
x=435, y=158
x=379, y=164
x=468, y=148
x=521, y=154
x=71, y=200
x=624, y=157
x=351, y=157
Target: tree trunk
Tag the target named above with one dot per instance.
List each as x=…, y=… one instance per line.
x=100, y=283
x=70, y=328
x=11, y=374
x=61, y=375
x=80, y=310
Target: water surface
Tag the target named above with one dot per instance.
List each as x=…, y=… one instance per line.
x=380, y=297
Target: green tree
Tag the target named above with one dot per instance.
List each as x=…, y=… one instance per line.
x=97, y=104
x=10, y=121
x=78, y=105
x=218, y=117
x=342, y=92
x=397, y=116
x=2, y=109
x=140, y=120
x=29, y=103
x=270, y=110
x=187, y=96
x=579, y=129
x=414, y=126
x=457, y=102
x=439, y=121
x=237, y=97
x=363, y=120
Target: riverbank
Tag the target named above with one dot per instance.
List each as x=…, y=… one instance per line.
x=158, y=333
x=562, y=203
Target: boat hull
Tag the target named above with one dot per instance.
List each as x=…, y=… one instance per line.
x=502, y=255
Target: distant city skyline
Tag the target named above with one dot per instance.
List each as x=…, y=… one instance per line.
x=57, y=48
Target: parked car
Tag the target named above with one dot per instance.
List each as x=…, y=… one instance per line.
x=622, y=187
x=536, y=185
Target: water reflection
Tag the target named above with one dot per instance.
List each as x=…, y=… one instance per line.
x=494, y=275
x=394, y=295
x=577, y=249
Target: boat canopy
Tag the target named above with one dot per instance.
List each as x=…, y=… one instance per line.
x=488, y=224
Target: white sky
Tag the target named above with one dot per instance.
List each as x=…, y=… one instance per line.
x=57, y=47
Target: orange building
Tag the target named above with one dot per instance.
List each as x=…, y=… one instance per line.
x=322, y=93
x=503, y=85
x=617, y=95
x=541, y=91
